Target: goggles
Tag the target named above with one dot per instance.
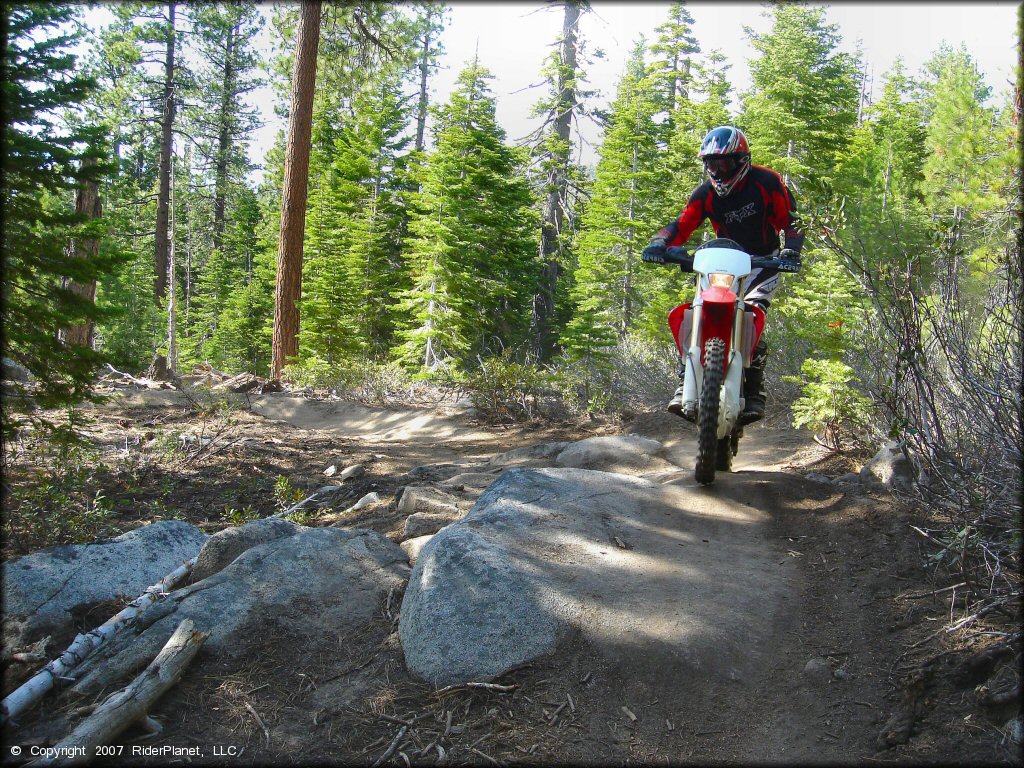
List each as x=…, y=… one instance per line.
x=721, y=165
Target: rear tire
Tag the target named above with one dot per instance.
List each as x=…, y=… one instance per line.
x=727, y=448
x=707, y=413
x=723, y=462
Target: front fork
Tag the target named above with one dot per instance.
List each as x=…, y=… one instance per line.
x=731, y=404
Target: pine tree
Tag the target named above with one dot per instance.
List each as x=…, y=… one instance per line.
x=802, y=107
x=429, y=24
x=960, y=138
x=241, y=294
x=881, y=177
x=473, y=246
x=353, y=263
x=218, y=117
x=564, y=103
x=288, y=290
x=676, y=45
x=626, y=208
x=131, y=63
x=46, y=159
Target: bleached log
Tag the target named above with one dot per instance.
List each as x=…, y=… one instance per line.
x=147, y=383
x=298, y=506
x=84, y=644
x=131, y=704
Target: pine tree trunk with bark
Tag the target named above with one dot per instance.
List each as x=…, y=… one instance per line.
x=87, y=202
x=224, y=141
x=288, y=288
x=554, y=213
x=162, y=237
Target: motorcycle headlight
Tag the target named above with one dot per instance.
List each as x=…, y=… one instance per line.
x=721, y=279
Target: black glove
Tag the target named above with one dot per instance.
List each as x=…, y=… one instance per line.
x=792, y=258
x=655, y=252
x=679, y=255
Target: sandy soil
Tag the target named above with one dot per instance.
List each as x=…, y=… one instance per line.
x=835, y=680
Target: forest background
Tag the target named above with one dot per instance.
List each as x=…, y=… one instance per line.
x=435, y=247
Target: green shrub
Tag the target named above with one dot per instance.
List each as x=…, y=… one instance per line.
x=50, y=497
x=830, y=405
x=287, y=495
x=504, y=389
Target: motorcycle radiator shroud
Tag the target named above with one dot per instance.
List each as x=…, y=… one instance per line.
x=680, y=320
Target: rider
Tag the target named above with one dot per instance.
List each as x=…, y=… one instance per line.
x=751, y=205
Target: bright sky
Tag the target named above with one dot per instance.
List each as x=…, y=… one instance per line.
x=513, y=39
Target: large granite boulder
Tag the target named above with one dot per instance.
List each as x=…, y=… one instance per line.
x=45, y=590
x=550, y=554
x=314, y=584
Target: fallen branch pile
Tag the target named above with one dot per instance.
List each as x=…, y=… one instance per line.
x=85, y=644
x=132, y=703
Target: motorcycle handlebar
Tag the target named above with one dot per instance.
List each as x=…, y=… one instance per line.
x=679, y=255
x=773, y=262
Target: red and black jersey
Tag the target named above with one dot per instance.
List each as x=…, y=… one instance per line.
x=753, y=214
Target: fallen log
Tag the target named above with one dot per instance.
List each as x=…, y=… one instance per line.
x=302, y=504
x=131, y=704
x=83, y=646
x=144, y=382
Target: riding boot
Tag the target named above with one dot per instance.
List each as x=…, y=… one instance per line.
x=753, y=381
x=675, y=405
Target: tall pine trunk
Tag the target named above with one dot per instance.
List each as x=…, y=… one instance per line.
x=163, y=196
x=557, y=188
x=224, y=140
x=172, y=295
x=87, y=202
x=288, y=288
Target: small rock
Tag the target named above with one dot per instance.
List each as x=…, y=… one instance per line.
x=817, y=478
x=356, y=470
x=365, y=501
x=818, y=670
x=850, y=478
x=412, y=547
x=224, y=547
x=841, y=674
x=611, y=452
x=424, y=523
x=423, y=499
x=331, y=470
x=890, y=469
x=407, y=501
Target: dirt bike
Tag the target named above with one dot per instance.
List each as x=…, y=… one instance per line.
x=716, y=334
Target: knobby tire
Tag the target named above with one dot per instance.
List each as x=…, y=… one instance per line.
x=723, y=462
x=707, y=412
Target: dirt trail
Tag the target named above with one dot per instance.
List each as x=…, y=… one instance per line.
x=810, y=680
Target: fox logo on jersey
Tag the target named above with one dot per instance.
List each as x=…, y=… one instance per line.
x=734, y=217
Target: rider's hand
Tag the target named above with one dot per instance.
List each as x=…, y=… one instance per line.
x=655, y=252
x=679, y=255
x=791, y=256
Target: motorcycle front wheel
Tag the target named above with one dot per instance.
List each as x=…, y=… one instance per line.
x=707, y=411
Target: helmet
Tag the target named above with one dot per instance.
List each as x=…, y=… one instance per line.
x=726, y=158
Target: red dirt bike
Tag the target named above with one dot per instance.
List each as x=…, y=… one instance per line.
x=716, y=334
